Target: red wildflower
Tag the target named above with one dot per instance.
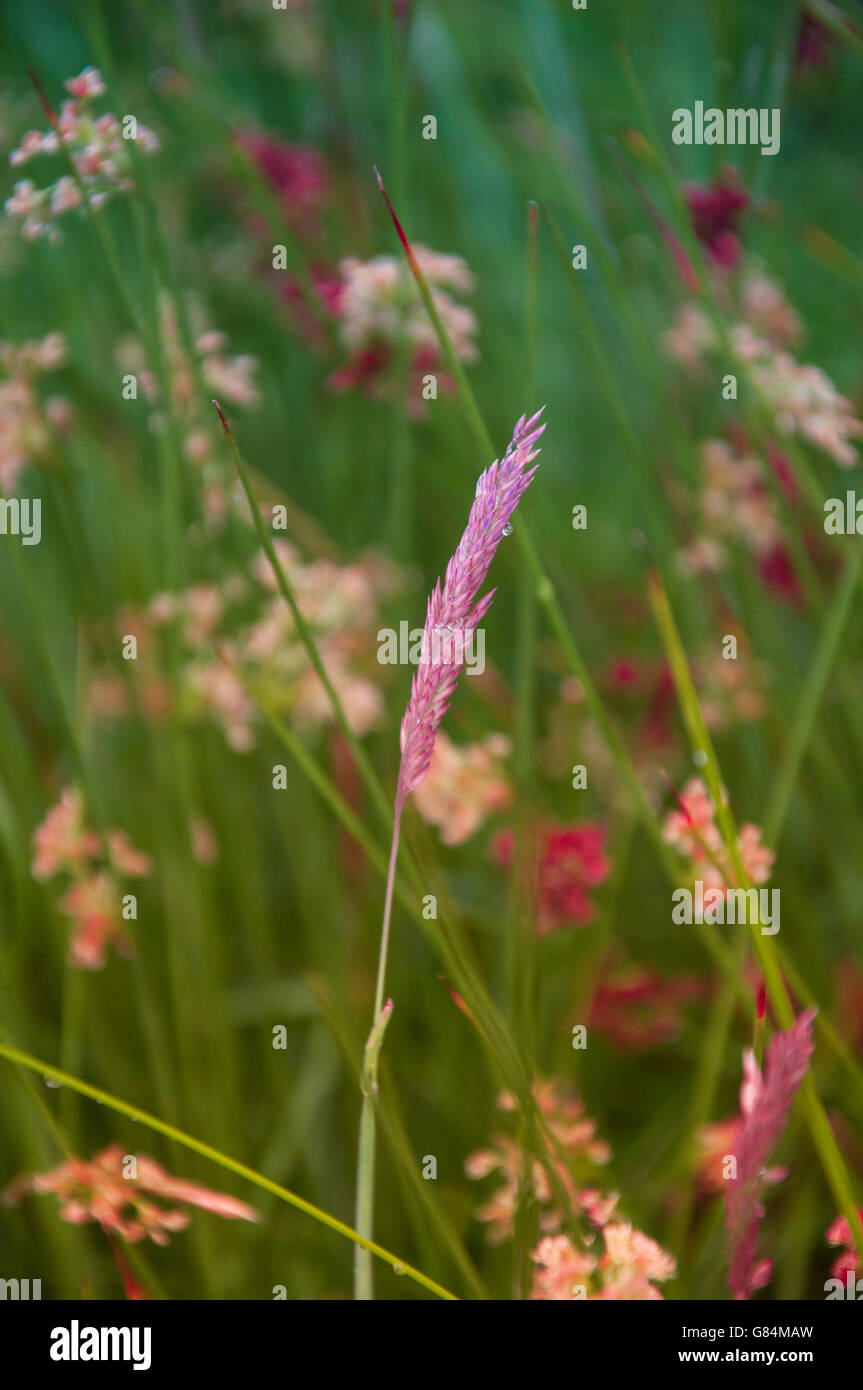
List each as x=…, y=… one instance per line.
x=778, y=574
x=569, y=862
x=782, y=468
x=296, y=173
x=637, y=1008
x=715, y=211
x=814, y=43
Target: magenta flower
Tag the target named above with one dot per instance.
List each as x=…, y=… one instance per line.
x=764, y=1105
x=298, y=174
x=715, y=210
x=568, y=862
x=454, y=611
x=638, y=1008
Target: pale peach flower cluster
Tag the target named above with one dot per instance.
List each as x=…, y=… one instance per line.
x=98, y=1189
x=765, y=308
x=732, y=689
x=735, y=500
x=736, y=505
x=230, y=378
x=762, y=320
x=99, y=150
x=807, y=403
x=803, y=399
x=692, y=830
x=573, y=1138
x=63, y=845
x=617, y=1261
x=392, y=345
x=380, y=301
x=629, y=1268
x=241, y=635
x=690, y=337
x=29, y=426
x=463, y=786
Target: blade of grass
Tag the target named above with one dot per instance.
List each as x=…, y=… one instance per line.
x=132, y=1112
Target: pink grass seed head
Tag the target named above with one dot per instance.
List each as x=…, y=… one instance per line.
x=454, y=611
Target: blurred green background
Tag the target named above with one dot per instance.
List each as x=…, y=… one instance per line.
x=533, y=102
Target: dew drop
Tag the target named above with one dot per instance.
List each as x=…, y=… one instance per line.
x=51, y=1083
x=507, y=530
x=398, y=1269
x=699, y=757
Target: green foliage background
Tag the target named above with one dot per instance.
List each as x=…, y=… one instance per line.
x=276, y=933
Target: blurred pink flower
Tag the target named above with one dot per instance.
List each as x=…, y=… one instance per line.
x=693, y=832
x=87, y=84
x=29, y=427
x=628, y=1269
x=631, y=1264
x=124, y=858
x=205, y=846
x=568, y=862
x=839, y=1233
x=691, y=829
x=360, y=697
x=638, y=1008
x=97, y=146
x=730, y=691
x=98, y=1190
x=807, y=403
x=93, y=903
x=463, y=786
x=62, y=842
x=574, y=1138
x=814, y=43
x=296, y=173
x=561, y=1270
x=777, y=571
x=803, y=400
x=715, y=210
x=383, y=323
x=63, y=845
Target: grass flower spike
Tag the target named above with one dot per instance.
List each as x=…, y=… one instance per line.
x=764, y=1103
x=454, y=611
x=453, y=615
